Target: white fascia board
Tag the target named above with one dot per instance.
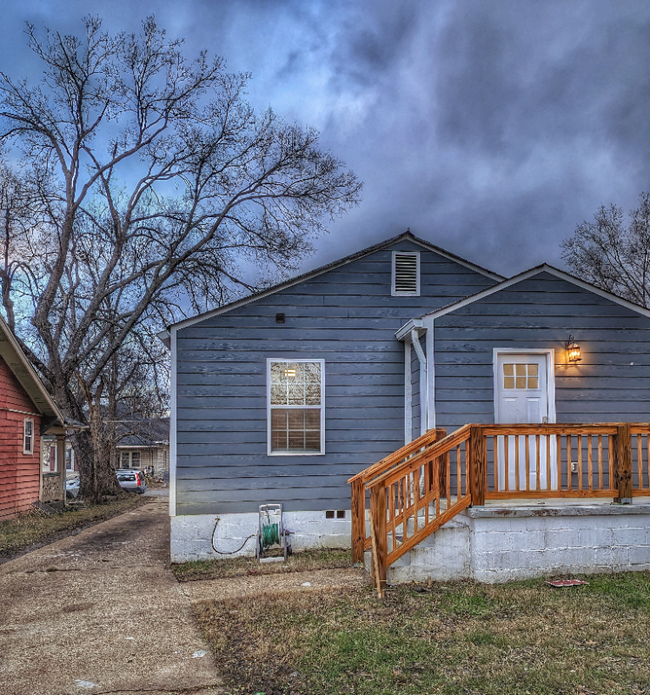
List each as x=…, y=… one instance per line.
x=164, y=338
x=334, y=266
x=14, y=356
x=526, y=275
x=404, y=332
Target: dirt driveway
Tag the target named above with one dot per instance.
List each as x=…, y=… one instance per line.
x=101, y=613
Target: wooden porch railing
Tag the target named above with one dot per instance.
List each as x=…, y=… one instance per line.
x=360, y=532
x=422, y=486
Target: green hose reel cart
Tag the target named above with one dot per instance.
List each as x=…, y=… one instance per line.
x=271, y=534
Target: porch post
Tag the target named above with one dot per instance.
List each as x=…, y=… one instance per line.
x=379, y=540
x=60, y=457
x=477, y=464
x=623, y=464
x=358, y=519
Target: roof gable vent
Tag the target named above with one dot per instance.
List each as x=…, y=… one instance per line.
x=406, y=274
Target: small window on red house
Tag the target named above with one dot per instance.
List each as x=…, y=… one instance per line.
x=28, y=436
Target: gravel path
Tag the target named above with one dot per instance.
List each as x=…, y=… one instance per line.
x=99, y=613
x=315, y=580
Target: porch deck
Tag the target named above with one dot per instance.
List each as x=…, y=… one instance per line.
x=415, y=491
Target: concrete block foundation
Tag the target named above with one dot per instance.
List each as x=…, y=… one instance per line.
x=496, y=544
x=234, y=534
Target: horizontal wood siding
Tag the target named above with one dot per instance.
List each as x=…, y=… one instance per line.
x=611, y=383
x=346, y=317
x=415, y=398
x=19, y=473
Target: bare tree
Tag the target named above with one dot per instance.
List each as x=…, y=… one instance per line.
x=152, y=180
x=612, y=253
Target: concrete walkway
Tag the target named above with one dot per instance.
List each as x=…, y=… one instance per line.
x=101, y=613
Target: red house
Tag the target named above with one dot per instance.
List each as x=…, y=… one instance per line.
x=27, y=411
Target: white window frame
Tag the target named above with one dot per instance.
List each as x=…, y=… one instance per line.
x=393, y=291
x=269, y=408
x=28, y=451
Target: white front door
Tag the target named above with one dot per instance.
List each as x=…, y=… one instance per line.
x=522, y=389
x=522, y=397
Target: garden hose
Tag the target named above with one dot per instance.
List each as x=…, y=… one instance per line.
x=232, y=552
x=270, y=535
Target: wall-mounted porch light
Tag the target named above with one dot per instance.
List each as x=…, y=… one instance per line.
x=573, y=350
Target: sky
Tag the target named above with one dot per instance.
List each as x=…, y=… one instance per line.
x=488, y=127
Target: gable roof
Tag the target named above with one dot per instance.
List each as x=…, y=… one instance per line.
x=406, y=236
x=17, y=361
x=527, y=274
x=151, y=432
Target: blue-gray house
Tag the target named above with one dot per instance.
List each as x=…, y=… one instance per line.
x=281, y=397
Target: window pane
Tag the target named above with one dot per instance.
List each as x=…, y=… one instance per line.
x=125, y=459
x=296, y=394
x=296, y=419
x=312, y=383
x=278, y=419
x=508, y=382
x=508, y=369
x=521, y=382
x=135, y=459
x=532, y=369
x=312, y=441
x=279, y=440
x=277, y=369
x=312, y=419
x=278, y=394
x=533, y=382
x=520, y=369
x=296, y=441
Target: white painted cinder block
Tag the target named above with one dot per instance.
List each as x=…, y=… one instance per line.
x=498, y=545
x=234, y=534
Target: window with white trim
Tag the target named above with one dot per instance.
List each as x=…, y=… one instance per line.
x=130, y=459
x=28, y=436
x=296, y=407
x=406, y=274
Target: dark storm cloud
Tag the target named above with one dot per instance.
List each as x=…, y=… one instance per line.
x=490, y=127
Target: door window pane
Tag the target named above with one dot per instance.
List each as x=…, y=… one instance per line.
x=520, y=376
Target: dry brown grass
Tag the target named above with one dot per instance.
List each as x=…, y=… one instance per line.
x=242, y=566
x=521, y=638
x=35, y=528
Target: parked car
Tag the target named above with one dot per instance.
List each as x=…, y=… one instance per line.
x=131, y=480
x=72, y=486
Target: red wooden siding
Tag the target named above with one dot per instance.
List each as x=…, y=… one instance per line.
x=19, y=473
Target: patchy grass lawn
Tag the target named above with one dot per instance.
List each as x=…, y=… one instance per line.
x=241, y=566
x=35, y=527
x=521, y=638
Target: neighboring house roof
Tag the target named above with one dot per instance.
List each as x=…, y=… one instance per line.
x=406, y=236
x=149, y=433
x=544, y=268
x=12, y=354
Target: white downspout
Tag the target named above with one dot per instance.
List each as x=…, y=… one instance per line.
x=431, y=374
x=424, y=405
x=408, y=394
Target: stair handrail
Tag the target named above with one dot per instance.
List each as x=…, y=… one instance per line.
x=360, y=538
x=418, y=486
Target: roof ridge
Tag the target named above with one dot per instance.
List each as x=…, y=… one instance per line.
x=331, y=266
